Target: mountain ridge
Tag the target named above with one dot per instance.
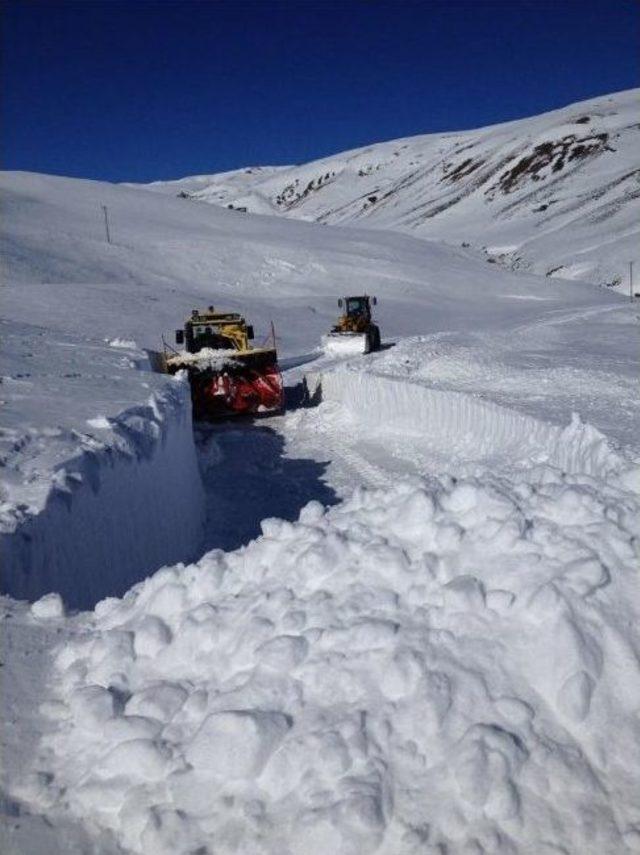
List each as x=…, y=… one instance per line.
x=557, y=194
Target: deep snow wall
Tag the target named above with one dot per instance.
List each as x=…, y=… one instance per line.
x=114, y=513
x=465, y=427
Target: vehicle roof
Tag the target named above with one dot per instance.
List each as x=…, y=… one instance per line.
x=215, y=318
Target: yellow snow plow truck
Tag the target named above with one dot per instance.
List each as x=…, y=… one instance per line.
x=228, y=376
x=355, y=331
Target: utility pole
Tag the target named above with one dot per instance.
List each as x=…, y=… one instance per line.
x=631, y=281
x=106, y=223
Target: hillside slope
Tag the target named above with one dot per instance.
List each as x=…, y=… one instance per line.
x=219, y=187
x=557, y=194
x=168, y=255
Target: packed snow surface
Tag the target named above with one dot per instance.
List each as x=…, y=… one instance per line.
x=413, y=622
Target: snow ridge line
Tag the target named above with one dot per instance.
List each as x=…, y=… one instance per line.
x=470, y=428
x=116, y=512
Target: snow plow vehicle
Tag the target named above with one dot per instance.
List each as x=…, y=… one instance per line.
x=228, y=377
x=355, y=331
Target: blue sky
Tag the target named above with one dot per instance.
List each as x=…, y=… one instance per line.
x=144, y=89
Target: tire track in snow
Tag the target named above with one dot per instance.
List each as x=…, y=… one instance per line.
x=557, y=317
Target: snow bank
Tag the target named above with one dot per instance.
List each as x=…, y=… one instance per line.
x=434, y=668
x=465, y=427
x=114, y=513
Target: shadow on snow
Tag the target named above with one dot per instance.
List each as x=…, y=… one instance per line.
x=247, y=478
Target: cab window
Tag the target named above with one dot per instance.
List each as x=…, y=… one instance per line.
x=354, y=307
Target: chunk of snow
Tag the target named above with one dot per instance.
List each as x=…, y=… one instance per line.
x=99, y=423
x=49, y=606
x=236, y=744
x=123, y=343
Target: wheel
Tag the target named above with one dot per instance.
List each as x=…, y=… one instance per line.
x=374, y=338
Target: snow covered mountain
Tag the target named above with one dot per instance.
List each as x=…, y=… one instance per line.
x=557, y=194
x=219, y=187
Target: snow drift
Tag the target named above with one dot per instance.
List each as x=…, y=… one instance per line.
x=422, y=668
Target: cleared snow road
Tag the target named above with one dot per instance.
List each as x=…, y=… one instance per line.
x=426, y=407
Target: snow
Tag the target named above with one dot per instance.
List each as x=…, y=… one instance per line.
x=208, y=358
x=402, y=617
x=49, y=606
x=466, y=428
x=431, y=663
x=234, y=182
x=555, y=194
x=169, y=256
x=78, y=490
x=65, y=387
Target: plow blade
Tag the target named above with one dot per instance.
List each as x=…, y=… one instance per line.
x=345, y=344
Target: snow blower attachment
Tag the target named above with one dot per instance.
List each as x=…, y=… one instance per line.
x=228, y=376
x=354, y=333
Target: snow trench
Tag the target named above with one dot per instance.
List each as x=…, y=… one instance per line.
x=116, y=512
x=465, y=427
